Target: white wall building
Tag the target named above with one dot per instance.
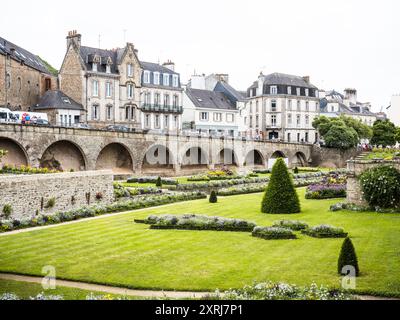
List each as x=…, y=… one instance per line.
x=282, y=107
x=394, y=110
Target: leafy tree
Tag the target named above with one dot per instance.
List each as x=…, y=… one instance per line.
x=280, y=195
x=213, y=197
x=384, y=133
x=364, y=131
x=342, y=137
x=348, y=257
x=398, y=134
x=159, y=182
x=322, y=124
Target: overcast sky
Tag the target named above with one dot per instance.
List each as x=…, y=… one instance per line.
x=338, y=43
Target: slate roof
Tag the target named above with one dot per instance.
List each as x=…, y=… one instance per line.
x=22, y=55
x=88, y=53
x=155, y=67
x=287, y=79
x=56, y=99
x=231, y=92
x=210, y=99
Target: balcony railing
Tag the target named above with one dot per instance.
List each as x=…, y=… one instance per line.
x=161, y=108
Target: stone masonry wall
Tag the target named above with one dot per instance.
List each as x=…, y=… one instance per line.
x=332, y=158
x=29, y=194
x=356, y=168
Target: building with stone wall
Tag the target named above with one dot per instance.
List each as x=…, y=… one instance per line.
x=29, y=195
x=24, y=77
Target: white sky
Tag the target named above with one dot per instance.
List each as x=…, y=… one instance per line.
x=339, y=43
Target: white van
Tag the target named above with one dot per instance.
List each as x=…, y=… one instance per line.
x=6, y=115
x=29, y=117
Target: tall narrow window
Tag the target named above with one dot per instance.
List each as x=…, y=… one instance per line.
x=156, y=78
x=130, y=70
x=274, y=90
x=307, y=106
x=157, y=121
x=95, y=88
x=298, y=105
x=289, y=105
x=146, y=77
x=175, y=80
x=307, y=92
x=147, y=98
x=176, y=101
x=108, y=68
x=298, y=120
x=95, y=112
x=108, y=90
x=273, y=120
x=109, y=110
x=166, y=79
x=273, y=106
x=257, y=110
x=166, y=100
x=94, y=67
x=166, y=121
x=298, y=91
x=289, y=91
x=307, y=120
x=289, y=119
x=157, y=99
x=176, y=123
x=147, y=120
x=130, y=91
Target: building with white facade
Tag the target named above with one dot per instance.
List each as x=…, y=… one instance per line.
x=161, y=97
x=394, y=110
x=211, y=106
x=334, y=104
x=282, y=107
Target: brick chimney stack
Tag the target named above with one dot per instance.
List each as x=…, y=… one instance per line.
x=74, y=38
x=170, y=65
x=307, y=79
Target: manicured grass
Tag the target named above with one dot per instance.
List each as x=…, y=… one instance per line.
x=25, y=290
x=380, y=155
x=116, y=251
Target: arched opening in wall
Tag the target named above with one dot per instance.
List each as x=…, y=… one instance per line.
x=195, y=160
x=16, y=155
x=63, y=155
x=278, y=154
x=255, y=159
x=115, y=157
x=158, y=160
x=227, y=158
x=300, y=160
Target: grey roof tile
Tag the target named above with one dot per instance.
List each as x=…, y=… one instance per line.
x=56, y=99
x=210, y=99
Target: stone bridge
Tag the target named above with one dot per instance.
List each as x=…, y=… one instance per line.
x=126, y=153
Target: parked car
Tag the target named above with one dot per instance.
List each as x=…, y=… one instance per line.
x=82, y=126
x=41, y=122
x=117, y=128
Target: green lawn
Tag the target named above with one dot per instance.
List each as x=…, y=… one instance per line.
x=115, y=250
x=25, y=290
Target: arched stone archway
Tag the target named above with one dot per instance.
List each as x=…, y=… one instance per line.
x=194, y=160
x=299, y=160
x=16, y=154
x=63, y=155
x=227, y=157
x=278, y=154
x=255, y=159
x=158, y=160
x=116, y=157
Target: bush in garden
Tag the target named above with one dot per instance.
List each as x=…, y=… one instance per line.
x=381, y=187
x=291, y=224
x=213, y=197
x=7, y=211
x=325, y=231
x=273, y=233
x=326, y=191
x=348, y=257
x=280, y=195
x=50, y=203
x=296, y=170
x=159, y=182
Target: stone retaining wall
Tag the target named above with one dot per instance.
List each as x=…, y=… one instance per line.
x=30, y=194
x=356, y=168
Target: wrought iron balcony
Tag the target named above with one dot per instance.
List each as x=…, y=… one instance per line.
x=161, y=108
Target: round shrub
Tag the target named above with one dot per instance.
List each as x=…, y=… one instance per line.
x=348, y=257
x=280, y=195
x=291, y=224
x=273, y=233
x=325, y=231
x=213, y=197
x=381, y=187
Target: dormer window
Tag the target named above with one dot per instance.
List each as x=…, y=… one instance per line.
x=175, y=80
x=146, y=77
x=94, y=67
x=307, y=92
x=129, y=71
x=289, y=90
x=108, y=68
x=166, y=79
x=298, y=91
x=274, y=90
x=156, y=78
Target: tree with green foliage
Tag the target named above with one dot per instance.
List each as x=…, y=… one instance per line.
x=363, y=131
x=159, y=182
x=341, y=137
x=398, y=134
x=49, y=67
x=383, y=133
x=213, y=197
x=348, y=257
x=280, y=195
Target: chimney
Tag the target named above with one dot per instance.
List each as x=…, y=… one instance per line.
x=169, y=65
x=260, y=89
x=351, y=95
x=12, y=50
x=307, y=79
x=74, y=38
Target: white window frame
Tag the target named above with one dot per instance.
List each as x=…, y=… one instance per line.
x=146, y=77
x=289, y=90
x=130, y=94
x=165, y=79
x=109, y=114
x=205, y=119
x=95, y=112
x=129, y=70
x=273, y=90
x=156, y=78
x=307, y=92
x=95, y=88
x=217, y=116
x=290, y=119
x=274, y=120
x=276, y=105
x=108, y=68
x=175, y=80
x=230, y=117
x=298, y=91
x=95, y=66
x=108, y=89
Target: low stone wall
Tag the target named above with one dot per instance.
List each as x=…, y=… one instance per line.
x=356, y=168
x=332, y=158
x=31, y=194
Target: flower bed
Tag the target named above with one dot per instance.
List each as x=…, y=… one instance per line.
x=152, y=179
x=85, y=212
x=197, y=222
x=282, y=291
x=325, y=231
x=120, y=191
x=357, y=208
x=293, y=225
x=273, y=233
x=7, y=169
x=329, y=191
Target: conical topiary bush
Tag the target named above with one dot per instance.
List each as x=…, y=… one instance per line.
x=280, y=195
x=213, y=197
x=159, y=182
x=348, y=257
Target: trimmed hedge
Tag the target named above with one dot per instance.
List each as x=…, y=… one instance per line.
x=329, y=191
x=92, y=211
x=357, y=208
x=293, y=225
x=273, y=233
x=197, y=222
x=151, y=179
x=280, y=196
x=325, y=231
x=213, y=197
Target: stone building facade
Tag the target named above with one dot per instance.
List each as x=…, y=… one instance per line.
x=24, y=77
x=30, y=194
